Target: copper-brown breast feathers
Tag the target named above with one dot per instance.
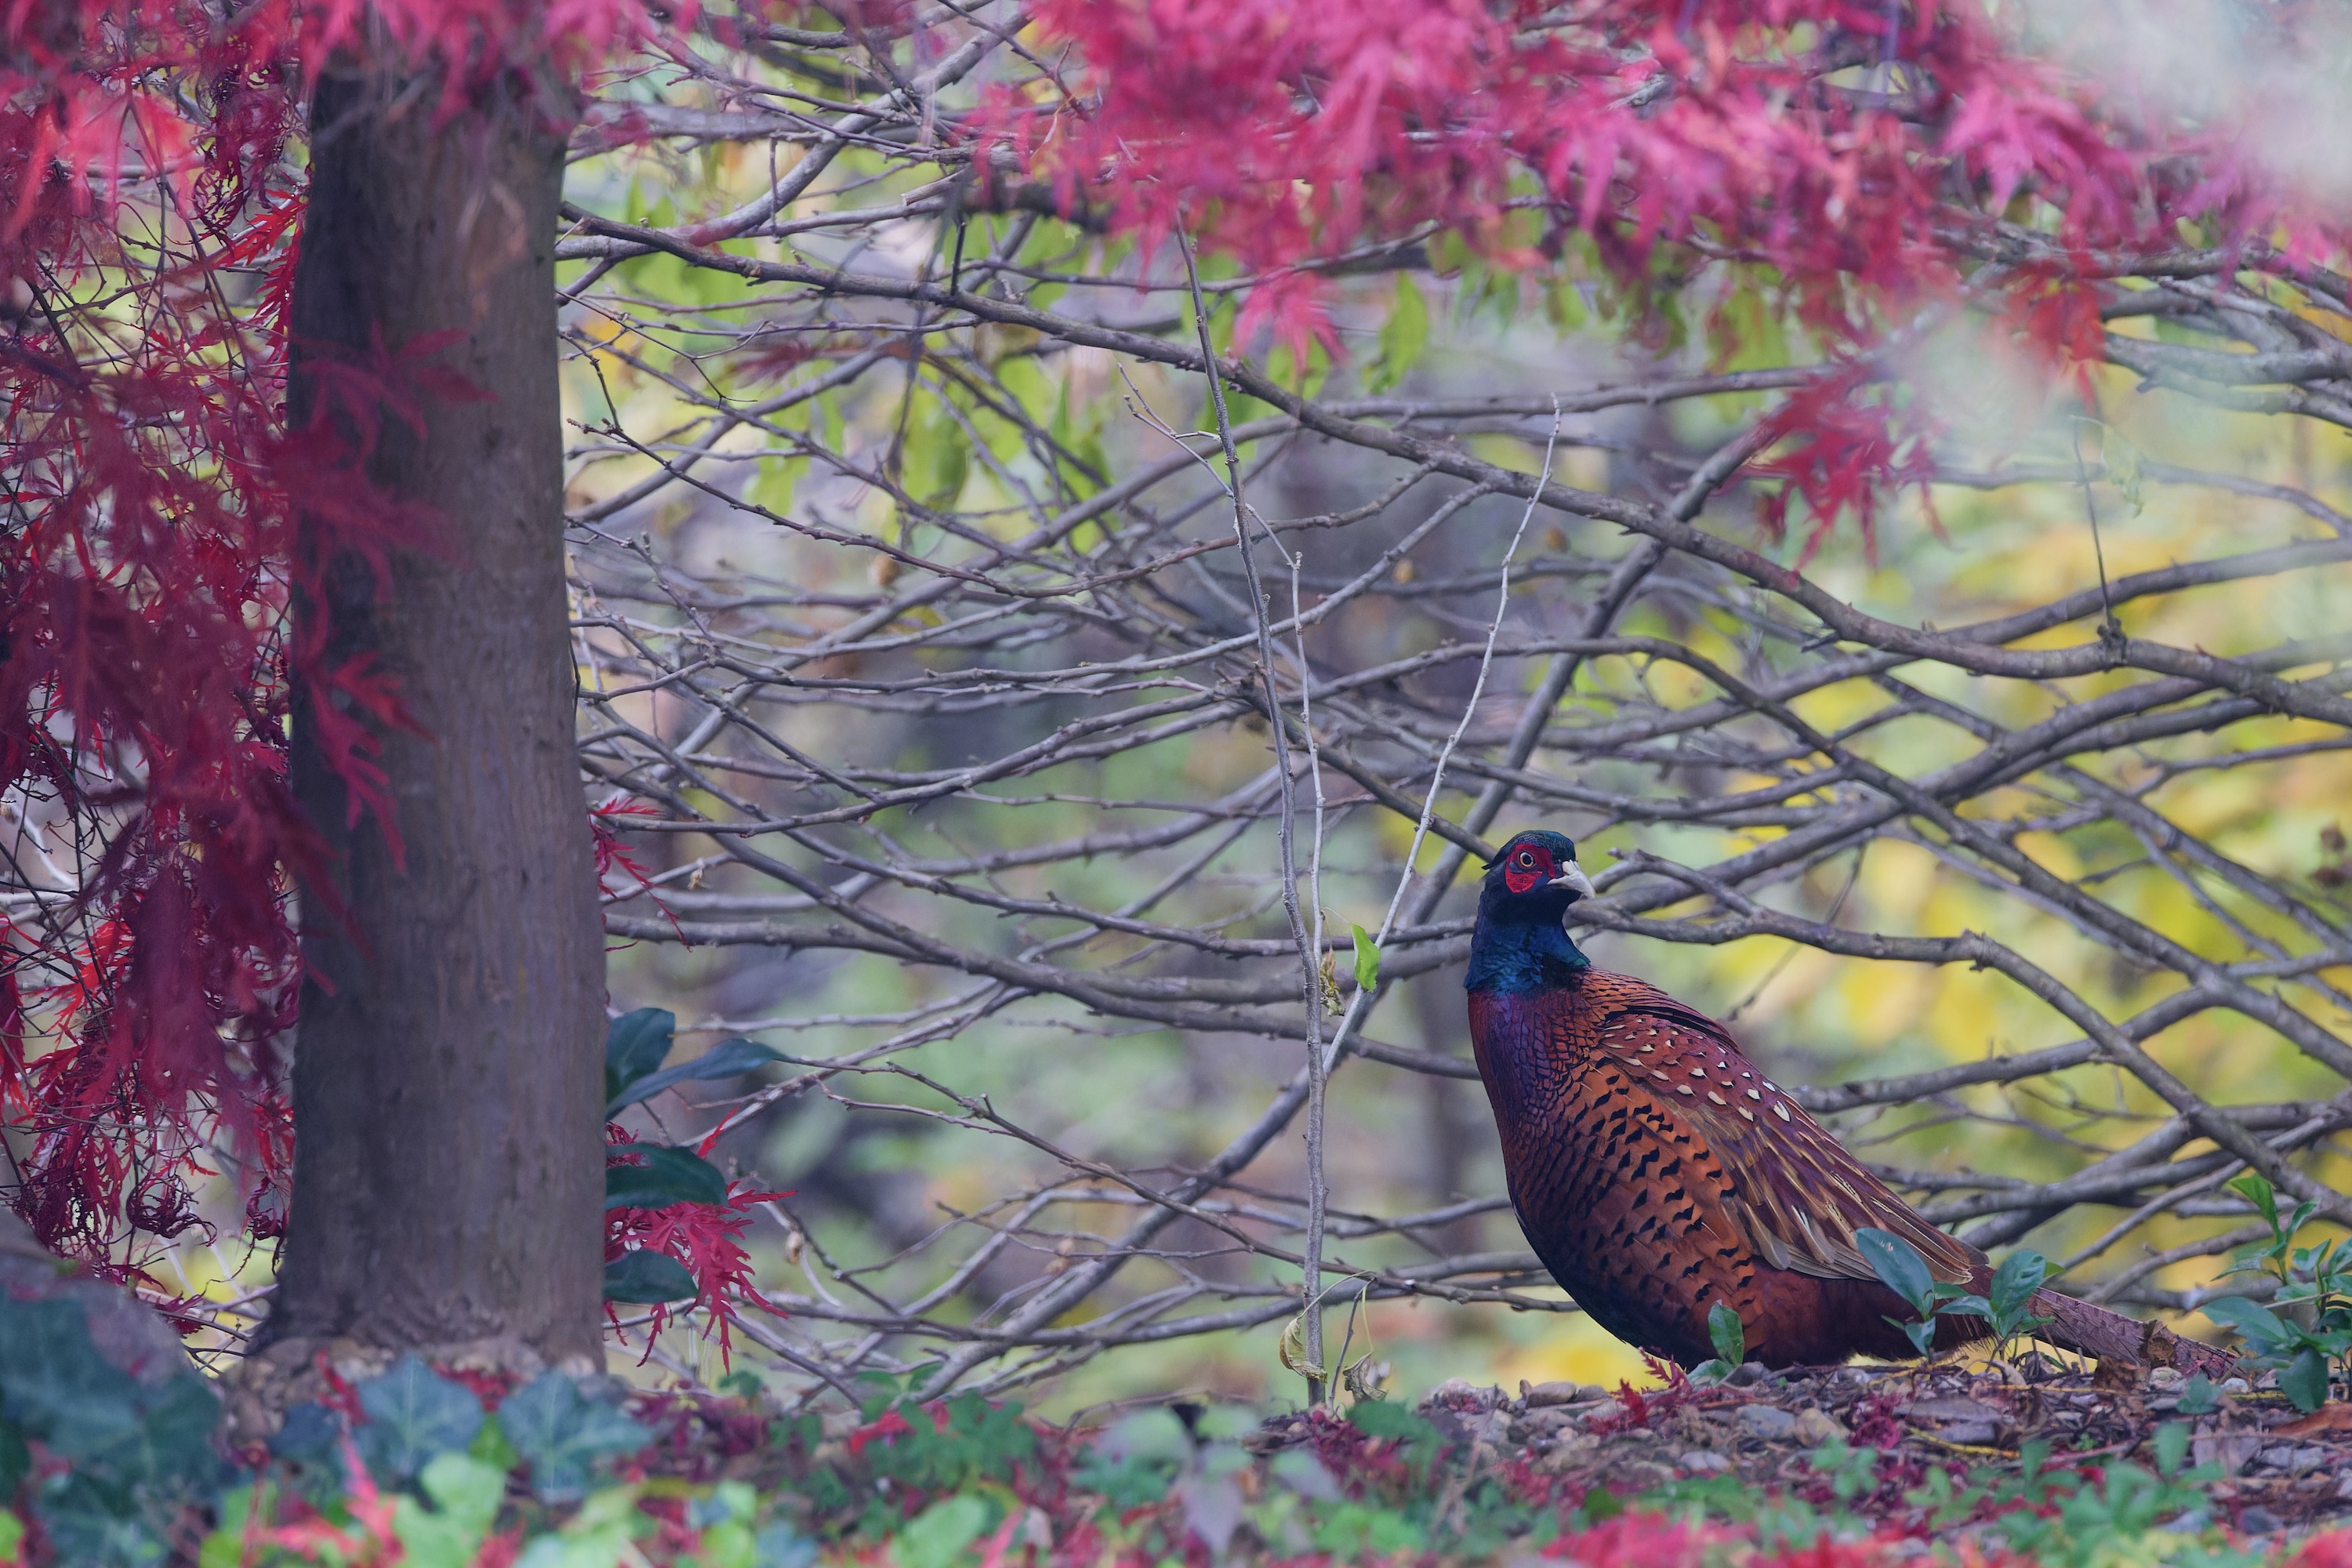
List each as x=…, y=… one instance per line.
x=1796, y=1196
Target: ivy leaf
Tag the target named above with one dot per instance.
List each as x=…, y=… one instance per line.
x=57, y=1386
x=667, y=1176
x=635, y=1045
x=1367, y=959
x=413, y=1414
x=561, y=1434
x=647, y=1278
x=728, y=1058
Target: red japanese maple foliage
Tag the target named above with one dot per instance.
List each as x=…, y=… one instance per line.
x=148, y=218
x=1867, y=159
x=1875, y=164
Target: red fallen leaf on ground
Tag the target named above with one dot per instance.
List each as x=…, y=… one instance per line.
x=2328, y=1418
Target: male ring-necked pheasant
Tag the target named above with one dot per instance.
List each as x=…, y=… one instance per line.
x=1656, y=1169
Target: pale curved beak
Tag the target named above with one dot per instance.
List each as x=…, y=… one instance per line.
x=1574, y=880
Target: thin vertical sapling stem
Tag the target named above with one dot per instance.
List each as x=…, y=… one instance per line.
x=1309, y=958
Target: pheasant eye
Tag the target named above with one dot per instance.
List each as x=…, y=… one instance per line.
x=1526, y=858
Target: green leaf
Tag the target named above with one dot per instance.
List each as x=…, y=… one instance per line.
x=560, y=1434
x=2261, y=1327
x=936, y=1537
x=2124, y=466
x=728, y=1058
x=2013, y=1284
x=773, y=486
x=1402, y=336
x=1898, y=1265
x=648, y=1278
x=2258, y=1191
x=2305, y=1380
x=413, y=1414
x=1367, y=959
x=635, y=1044
x=667, y=1176
x=2171, y=1446
x=465, y=1494
x=1387, y=1418
x=1725, y=1332
x=2198, y=1396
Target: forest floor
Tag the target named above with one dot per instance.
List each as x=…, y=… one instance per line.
x=1853, y=1467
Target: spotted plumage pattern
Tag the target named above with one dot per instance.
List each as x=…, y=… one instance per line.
x=1658, y=1172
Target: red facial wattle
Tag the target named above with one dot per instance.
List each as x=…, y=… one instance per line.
x=1527, y=869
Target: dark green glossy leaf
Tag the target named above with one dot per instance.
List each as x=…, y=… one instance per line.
x=635, y=1044
x=667, y=1176
x=728, y=1058
x=648, y=1278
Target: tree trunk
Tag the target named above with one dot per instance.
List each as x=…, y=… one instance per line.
x=447, y=1077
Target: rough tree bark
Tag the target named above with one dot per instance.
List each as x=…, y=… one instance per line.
x=448, y=1087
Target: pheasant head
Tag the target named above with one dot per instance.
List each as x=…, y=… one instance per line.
x=1520, y=943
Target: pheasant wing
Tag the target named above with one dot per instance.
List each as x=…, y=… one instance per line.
x=1797, y=1195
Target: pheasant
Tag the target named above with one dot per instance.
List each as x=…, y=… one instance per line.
x=1657, y=1172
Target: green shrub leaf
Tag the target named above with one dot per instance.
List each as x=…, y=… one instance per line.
x=667, y=1176
x=728, y=1058
x=648, y=1278
x=1898, y=1265
x=635, y=1044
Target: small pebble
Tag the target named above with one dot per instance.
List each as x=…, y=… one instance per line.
x=1815, y=1427
x=1747, y=1374
x=2233, y=1385
x=2294, y=1461
x=1702, y=1462
x=2258, y=1520
x=1765, y=1420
